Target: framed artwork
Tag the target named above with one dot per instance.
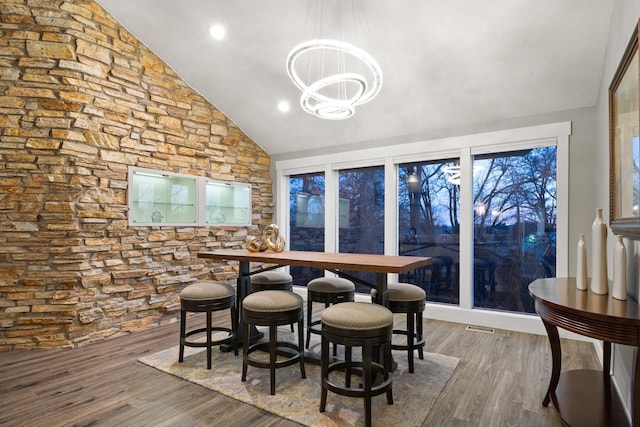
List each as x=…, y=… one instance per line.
x=624, y=143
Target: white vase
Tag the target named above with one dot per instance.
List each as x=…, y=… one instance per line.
x=619, y=288
x=581, y=272
x=599, y=277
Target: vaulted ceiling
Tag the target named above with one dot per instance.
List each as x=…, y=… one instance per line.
x=446, y=64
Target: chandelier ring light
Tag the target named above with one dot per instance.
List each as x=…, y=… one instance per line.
x=329, y=107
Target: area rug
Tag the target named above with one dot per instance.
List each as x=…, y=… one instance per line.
x=298, y=400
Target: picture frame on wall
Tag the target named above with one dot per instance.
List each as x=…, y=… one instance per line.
x=624, y=143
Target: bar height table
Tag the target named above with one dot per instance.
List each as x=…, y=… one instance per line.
x=338, y=263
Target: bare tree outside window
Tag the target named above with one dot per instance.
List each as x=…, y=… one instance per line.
x=428, y=225
x=514, y=195
x=514, y=223
x=361, y=228
x=514, y=202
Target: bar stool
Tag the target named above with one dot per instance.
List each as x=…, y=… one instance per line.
x=273, y=309
x=410, y=300
x=357, y=324
x=327, y=290
x=207, y=297
x=271, y=280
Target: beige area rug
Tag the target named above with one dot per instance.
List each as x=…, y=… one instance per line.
x=298, y=400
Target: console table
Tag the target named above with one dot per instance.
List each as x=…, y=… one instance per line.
x=586, y=397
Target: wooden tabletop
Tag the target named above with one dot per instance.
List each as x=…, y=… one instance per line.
x=586, y=396
x=562, y=295
x=324, y=260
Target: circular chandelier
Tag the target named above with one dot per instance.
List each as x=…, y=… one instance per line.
x=453, y=173
x=338, y=83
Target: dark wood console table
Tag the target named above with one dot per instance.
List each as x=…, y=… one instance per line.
x=586, y=397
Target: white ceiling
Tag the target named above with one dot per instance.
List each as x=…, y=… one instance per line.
x=446, y=64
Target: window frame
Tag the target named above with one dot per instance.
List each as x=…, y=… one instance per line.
x=464, y=147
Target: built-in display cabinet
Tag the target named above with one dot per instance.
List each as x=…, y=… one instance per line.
x=227, y=203
x=164, y=198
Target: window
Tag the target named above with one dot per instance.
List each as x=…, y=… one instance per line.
x=428, y=225
x=306, y=221
x=490, y=209
x=514, y=230
x=361, y=215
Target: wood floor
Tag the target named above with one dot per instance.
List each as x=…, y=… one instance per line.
x=500, y=381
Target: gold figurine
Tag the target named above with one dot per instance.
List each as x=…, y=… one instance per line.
x=271, y=239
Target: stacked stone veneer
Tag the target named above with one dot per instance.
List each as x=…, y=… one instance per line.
x=81, y=99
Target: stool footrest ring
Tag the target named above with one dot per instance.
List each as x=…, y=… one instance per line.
x=291, y=357
x=382, y=382
x=417, y=344
x=226, y=340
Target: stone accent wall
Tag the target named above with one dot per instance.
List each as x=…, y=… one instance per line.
x=81, y=99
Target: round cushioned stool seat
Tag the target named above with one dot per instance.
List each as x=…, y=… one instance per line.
x=327, y=290
x=357, y=324
x=271, y=302
x=271, y=280
x=410, y=300
x=399, y=292
x=207, y=296
x=357, y=316
x=273, y=308
x=207, y=290
x=330, y=285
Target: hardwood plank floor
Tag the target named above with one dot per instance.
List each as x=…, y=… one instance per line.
x=500, y=381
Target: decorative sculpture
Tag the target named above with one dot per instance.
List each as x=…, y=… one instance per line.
x=270, y=239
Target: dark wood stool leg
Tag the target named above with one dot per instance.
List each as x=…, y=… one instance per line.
x=301, y=347
x=273, y=346
x=234, y=329
x=335, y=346
x=245, y=349
x=209, y=332
x=367, y=374
x=183, y=332
x=309, y=311
x=420, y=334
x=347, y=370
x=388, y=367
x=324, y=371
x=411, y=340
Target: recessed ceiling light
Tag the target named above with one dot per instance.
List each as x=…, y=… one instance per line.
x=217, y=31
x=284, y=106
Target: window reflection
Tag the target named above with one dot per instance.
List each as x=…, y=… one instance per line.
x=361, y=205
x=514, y=195
x=428, y=225
x=306, y=227
x=513, y=213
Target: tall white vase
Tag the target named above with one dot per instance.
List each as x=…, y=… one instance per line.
x=581, y=272
x=599, y=277
x=619, y=288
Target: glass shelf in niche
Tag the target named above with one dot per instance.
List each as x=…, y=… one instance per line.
x=162, y=198
x=227, y=203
